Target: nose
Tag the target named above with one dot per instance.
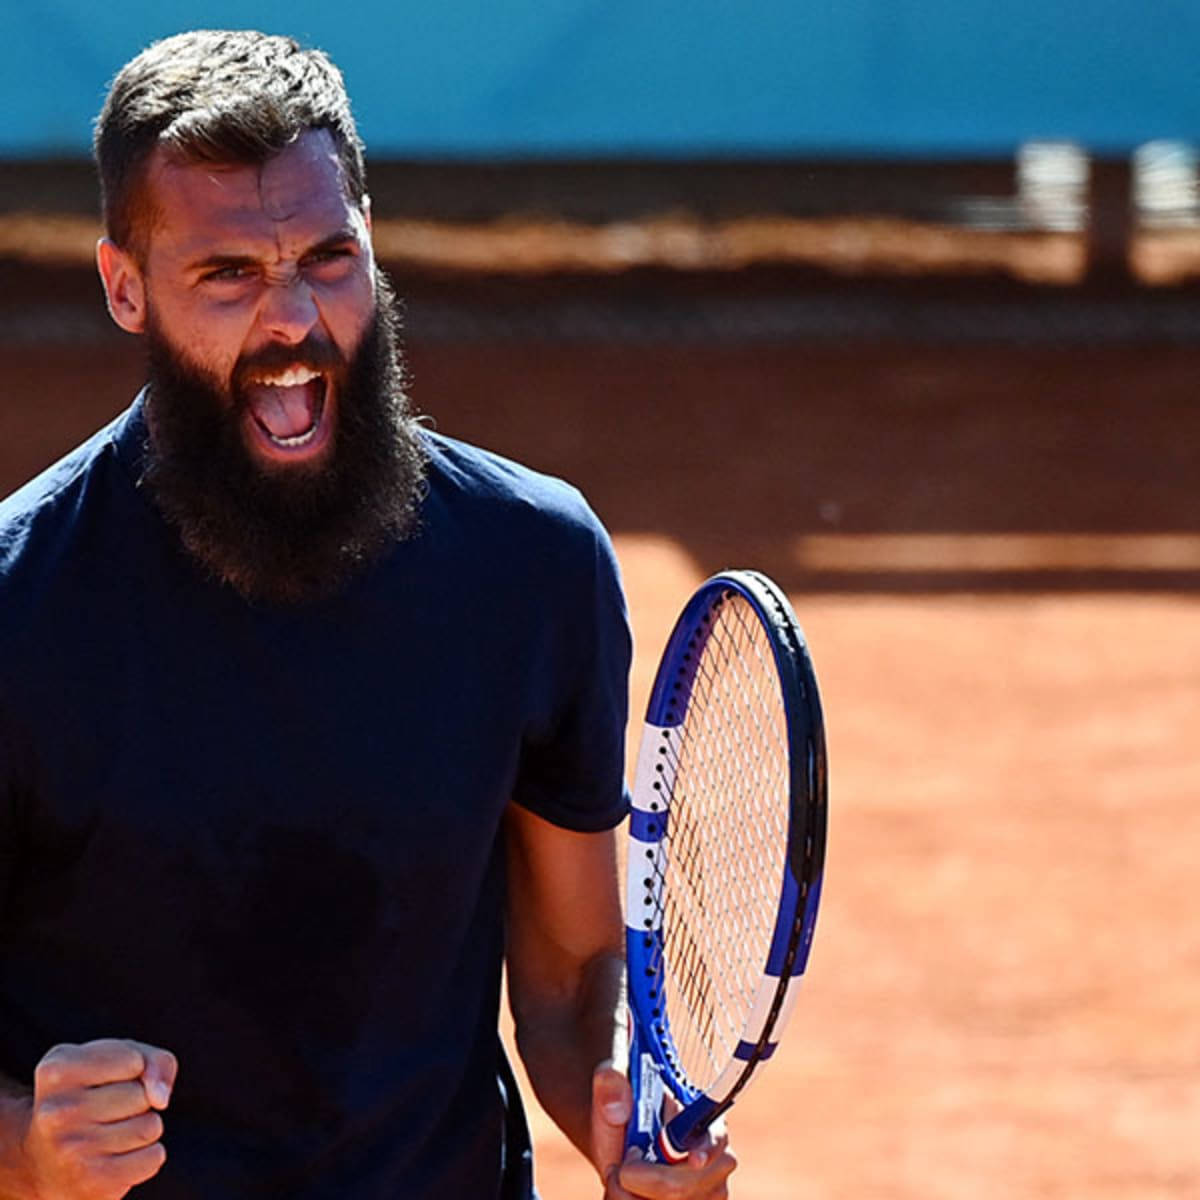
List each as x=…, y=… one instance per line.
x=289, y=310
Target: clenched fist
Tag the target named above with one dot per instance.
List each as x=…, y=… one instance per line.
x=94, y=1130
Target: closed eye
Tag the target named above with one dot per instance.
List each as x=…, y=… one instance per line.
x=328, y=254
x=330, y=257
x=229, y=273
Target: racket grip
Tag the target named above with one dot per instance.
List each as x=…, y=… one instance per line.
x=646, y=1131
x=645, y=1122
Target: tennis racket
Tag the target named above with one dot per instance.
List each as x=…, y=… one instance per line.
x=726, y=854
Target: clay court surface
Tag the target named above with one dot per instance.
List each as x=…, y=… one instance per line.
x=994, y=553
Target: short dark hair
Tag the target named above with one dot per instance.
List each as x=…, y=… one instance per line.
x=215, y=96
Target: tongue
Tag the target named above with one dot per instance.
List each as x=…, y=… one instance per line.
x=285, y=412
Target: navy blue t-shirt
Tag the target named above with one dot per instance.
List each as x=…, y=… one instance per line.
x=267, y=838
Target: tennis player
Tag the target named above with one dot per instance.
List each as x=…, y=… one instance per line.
x=310, y=718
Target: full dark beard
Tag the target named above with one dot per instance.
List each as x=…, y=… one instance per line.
x=294, y=534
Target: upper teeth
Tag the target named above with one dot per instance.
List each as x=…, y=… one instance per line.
x=292, y=377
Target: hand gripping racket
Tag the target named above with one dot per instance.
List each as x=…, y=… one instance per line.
x=726, y=853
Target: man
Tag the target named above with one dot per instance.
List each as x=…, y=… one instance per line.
x=308, y=717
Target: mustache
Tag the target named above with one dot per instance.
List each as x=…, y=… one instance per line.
x=314, y=352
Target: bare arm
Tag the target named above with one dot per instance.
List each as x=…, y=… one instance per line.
x=565, y=979
x=565, y=963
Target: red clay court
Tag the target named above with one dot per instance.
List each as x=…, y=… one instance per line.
x=985, y=508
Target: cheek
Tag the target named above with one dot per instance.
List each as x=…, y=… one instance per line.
x=215, y=355
x=210, y=337
x=348, y=314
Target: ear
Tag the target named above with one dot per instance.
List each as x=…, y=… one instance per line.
x=124, y=286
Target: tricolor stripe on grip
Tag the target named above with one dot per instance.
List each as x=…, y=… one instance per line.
x=667, y=1152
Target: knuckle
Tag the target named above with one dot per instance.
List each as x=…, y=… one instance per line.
x=47, y=1076
x=51, y=1070
x=125, y=1056
x=55, y=1117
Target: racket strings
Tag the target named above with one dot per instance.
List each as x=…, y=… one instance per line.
x=727, y=822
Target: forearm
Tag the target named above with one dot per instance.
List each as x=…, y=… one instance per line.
x=563, y=1038
x=16, y=1106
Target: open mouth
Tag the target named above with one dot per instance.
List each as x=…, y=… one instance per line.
x=289, y=410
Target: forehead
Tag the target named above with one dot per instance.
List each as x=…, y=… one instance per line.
x=299, y=193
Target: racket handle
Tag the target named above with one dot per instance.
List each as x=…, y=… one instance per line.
x=646, y=1131
x=645, y=1120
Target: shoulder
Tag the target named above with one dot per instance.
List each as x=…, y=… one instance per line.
x=526, y=539
x=43, y=518
x=487, y=486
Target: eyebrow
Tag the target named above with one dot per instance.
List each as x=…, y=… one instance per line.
x=219, y=260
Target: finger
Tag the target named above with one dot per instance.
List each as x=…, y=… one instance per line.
x=109, y=1102
x=134, y=1167
x=613, y=1189
x=120, y=1137
x=700, y=1155
x=159, y=1075
x=94, y=1063
x=650, y=1179
x=612, y=1103
x=612, y=1183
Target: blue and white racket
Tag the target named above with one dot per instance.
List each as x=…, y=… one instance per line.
x=726, y=853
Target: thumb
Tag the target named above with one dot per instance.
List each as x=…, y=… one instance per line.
x=158, y=1077
x=612, y=1104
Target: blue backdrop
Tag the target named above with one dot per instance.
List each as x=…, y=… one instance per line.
x=665, y=77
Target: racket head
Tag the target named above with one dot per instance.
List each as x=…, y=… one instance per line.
x=726, y=854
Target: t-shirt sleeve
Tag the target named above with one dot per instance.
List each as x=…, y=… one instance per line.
x=573, y=765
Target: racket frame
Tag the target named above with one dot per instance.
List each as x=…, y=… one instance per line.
x=654, y=1060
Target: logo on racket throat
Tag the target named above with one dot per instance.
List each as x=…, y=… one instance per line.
x=650, y=1094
